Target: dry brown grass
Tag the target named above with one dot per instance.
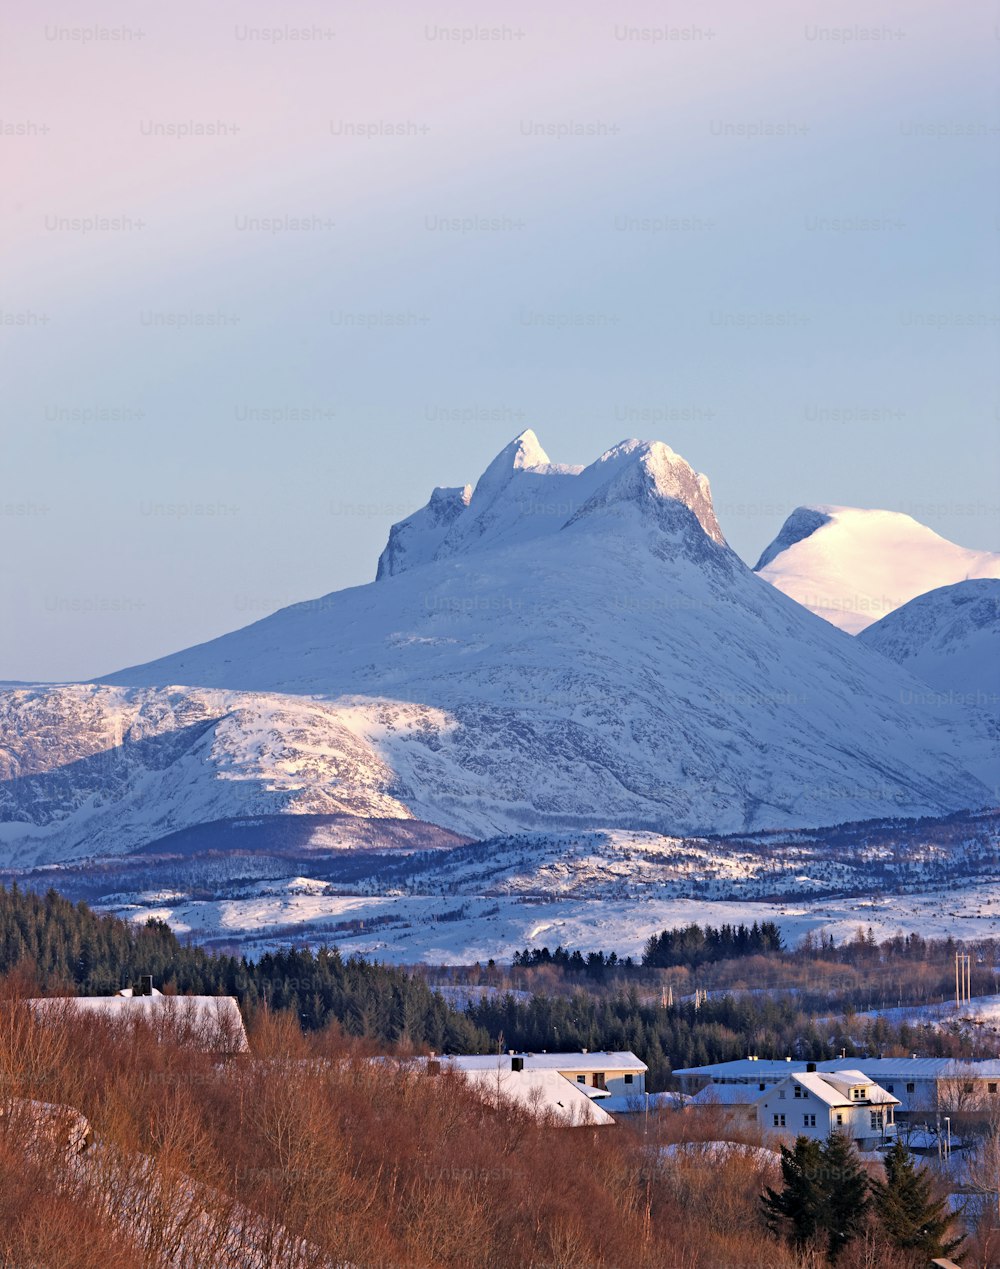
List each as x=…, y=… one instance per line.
x=308, y=1152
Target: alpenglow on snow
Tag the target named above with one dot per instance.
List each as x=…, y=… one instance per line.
x=557, y=647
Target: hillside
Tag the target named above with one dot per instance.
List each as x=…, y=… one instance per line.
x=949, y=638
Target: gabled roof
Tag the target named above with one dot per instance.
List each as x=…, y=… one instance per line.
x=834, y=1088
x=846, y=1080
x=873, y=1068
x=601, y=1061
x=215, y=1022
x=544, y=1092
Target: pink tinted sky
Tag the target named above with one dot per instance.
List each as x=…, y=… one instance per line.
x=573, y=318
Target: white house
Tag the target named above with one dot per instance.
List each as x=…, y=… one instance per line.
x=577, y=1088
x=616, y=1080
x=207, y=1022
x=816, y=1103
x=922, y=1085
x=544, y=1092
x=734, y=1104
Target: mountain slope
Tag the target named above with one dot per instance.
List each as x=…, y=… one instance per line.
x=852, y=566
x=92, y=770
x=585, y=649
x=949, y=638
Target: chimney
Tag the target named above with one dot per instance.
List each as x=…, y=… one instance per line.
x=810, y=1067
x=583, y=1050
x=145, y=986
x=517, y=1064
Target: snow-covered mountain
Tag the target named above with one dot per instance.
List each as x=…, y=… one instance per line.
x=852, y=567
x=561, y=648
x=88, y=770
x=949, y=638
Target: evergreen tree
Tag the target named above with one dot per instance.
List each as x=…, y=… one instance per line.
x=912, y=1218
x=846, y=1197
x=796, y=1211
x=825, y=1194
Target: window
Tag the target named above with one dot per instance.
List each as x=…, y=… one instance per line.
x=966, y=1088
x=779, y=1121
x=781, y=1094
x=599, y=1080
x=840, y=1118
x=876, y=1116
x=858, y=1093
x=581, y=1079
x=991, y=1088
x=628, y=1078
x=809, y=1121
x=889, y=1088
x=761, y=1087
x=799, y=1091
x=910, y=1087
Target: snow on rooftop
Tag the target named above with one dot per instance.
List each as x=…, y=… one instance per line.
x=542, y=1091
x=725, y=1095
x=871, y=1068
x=214, y=1021
x=598, y=1061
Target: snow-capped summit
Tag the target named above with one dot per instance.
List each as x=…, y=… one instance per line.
x=649, y=471
x=853, y=566
x=524, y=453
x=577, y=646
x=800, y=524
x=523, y=494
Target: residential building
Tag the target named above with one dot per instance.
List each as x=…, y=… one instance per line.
x=922, y=1085
x=207, y=1022
x=814, y=1104
x=579, y=1088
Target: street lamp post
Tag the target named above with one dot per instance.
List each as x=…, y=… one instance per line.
x=947, y=1126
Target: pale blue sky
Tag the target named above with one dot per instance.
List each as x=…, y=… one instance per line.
x=583, y=316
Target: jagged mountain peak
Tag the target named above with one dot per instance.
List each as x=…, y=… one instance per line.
x=651, y=470
x=524, y=451
x=417, y=538
x=522, y=494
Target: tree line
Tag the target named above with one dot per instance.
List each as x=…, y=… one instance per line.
x=68, y=949
x=694, y=945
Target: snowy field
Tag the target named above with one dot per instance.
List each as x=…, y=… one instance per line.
x=456, y=929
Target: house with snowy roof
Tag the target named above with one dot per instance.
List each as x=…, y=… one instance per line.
x=921, y=1085
x=213, y=1023
x=733, y=1104
x=576, y=1089
x=815, y=1104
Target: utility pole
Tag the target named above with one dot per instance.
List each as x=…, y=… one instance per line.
x=963, y=979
